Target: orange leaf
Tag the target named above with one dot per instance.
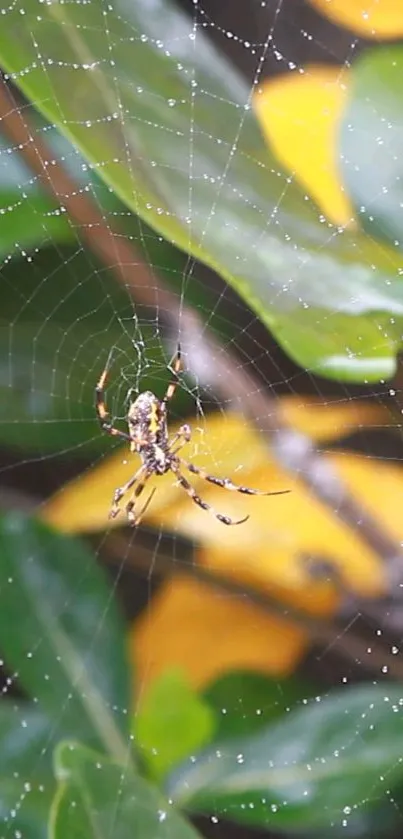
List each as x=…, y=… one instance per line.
x=371, y=18
x=300, y=115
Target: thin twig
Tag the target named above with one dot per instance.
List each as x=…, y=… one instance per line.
x=212, y=365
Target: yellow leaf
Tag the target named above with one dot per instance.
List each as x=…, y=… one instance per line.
x=267, y=551
x=370, y=18
x=221, y=446
x=83, y=505
x=182, y=624
x=185, y=619
x=300, y=116
x=331, y=420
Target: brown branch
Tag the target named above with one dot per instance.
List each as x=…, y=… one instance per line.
x=212, y=365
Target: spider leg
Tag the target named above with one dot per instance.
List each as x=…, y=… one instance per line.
x=135, y=520
x=175, y=367
x=121, y=491
x=226, y=483
x=101, y=409
x=184, y=434
x=199, y=501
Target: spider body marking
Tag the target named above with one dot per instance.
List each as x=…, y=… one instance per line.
x=148, y=436
x=148, y=431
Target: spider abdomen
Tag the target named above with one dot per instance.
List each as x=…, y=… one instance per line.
x=148, y=432
x=156, y=459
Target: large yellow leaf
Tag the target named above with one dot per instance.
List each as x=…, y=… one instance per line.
x=223, y=445
x=376, y=19
x=300, y=115
x=267, y=552
x=182, y=624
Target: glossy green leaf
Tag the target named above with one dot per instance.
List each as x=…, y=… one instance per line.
x=67, y=643
x=30, y=223
x=372, y=142
x=173, y=722
x=27, y=739
x=320, y=765
x=27, y=785
x=169, y=127
x=100, y=799
x=246, y=702
x=30, y=219
x=25, y=804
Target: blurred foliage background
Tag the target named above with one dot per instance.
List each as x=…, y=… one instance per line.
x=226, y=175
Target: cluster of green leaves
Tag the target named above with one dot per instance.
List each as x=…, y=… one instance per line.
x=334, y=299
x=353, y=331
x=78, y=758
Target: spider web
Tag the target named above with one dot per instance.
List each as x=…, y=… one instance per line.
x=64, y=311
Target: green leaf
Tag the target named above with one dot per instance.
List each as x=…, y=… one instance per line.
x=25, y=804
x=372, y=142
x=316, y=768
x=28, y=223
x=30, y=219
x=246, y=702
x=173, y=722
x=27, y=785
x=97, y=798
x=170, y=129
x=27, y=738
x=67, y=643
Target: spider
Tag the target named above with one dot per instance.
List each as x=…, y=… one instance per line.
x=148, y=437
